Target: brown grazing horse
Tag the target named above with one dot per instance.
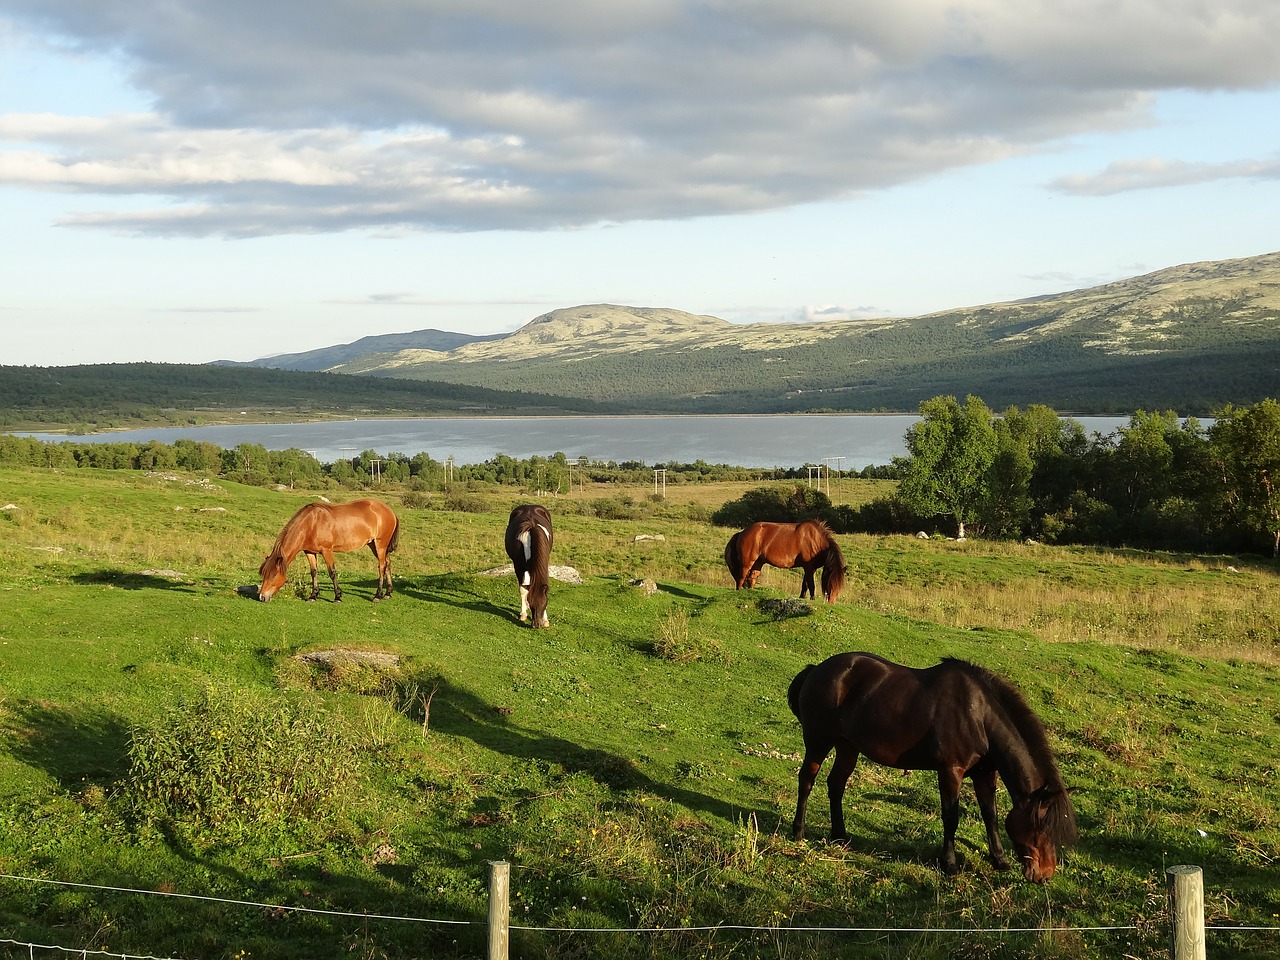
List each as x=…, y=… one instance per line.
x=321, y=529
x=528, y=542
x=955, y=718
x=809, y=544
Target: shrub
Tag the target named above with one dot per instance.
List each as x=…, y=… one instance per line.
x=773, y=504
x=236, y=763
x=673, y=641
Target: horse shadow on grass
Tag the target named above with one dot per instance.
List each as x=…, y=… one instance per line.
x=137, y=580
x=460, y=591
x=457, y=712
x=74, y=747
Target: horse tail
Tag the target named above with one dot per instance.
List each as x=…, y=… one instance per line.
x=832, y=570
x=394, y=542
x=793, y=691
x=733, y=558
x=539, y=548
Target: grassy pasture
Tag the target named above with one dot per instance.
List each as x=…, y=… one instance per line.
x=635, y=762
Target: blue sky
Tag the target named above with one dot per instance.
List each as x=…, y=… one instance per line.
x=200, y=181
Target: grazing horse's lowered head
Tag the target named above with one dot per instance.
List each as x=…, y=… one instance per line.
x=528, y=542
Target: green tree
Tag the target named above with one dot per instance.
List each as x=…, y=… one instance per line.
x=1246, y=447
x=951, y=450
x=1024, y=439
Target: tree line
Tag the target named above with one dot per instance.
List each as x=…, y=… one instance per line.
x=254, y=464
x=1161, y=481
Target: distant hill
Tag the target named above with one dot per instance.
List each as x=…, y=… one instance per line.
x=327, y=357
x=1189, y=338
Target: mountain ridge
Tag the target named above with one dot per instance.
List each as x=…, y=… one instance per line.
x=1197, y=334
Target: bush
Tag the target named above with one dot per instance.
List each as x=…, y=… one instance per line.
x=882, y=515
x=774, y=504
x=236, y=764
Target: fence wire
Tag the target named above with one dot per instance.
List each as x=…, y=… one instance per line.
x=707, y=928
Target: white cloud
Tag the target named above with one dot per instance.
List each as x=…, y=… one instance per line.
x=1154, y=172
x=442, y=115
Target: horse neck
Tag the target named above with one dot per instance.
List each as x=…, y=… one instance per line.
x=289, y=544
x=1020, y=749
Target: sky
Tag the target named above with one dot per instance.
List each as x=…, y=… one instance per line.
x=197, y=180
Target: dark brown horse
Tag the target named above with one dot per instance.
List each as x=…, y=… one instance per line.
x=809, y=544
x=528, y=543
x=321, y=529
x=955, y=718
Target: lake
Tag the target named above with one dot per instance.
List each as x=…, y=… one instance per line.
x=846, y=442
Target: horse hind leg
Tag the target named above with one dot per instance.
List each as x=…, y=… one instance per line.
x=383, y=556
x=841, y=769
x=804, y=786
x=522, y=581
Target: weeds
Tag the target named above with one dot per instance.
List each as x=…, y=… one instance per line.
x=234, y=762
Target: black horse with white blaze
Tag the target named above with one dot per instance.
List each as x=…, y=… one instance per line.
x=528, y=543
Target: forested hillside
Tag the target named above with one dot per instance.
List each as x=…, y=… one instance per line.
x=101, y=396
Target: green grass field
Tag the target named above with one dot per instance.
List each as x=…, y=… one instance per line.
x=635, y=763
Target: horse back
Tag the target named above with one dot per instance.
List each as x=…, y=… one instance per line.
x=895, y=715
x=527, y=519
x=342, y=526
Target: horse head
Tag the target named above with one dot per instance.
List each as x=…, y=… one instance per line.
x=273, y=576
x=1037, y=825
x=539, y=591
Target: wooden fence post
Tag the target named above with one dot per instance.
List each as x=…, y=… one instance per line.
x=499, y=909
x=1186, y=913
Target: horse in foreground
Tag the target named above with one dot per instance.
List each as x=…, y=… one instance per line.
x=809, y=544
x=322, y=529
x=528, y=543
x=955, y=718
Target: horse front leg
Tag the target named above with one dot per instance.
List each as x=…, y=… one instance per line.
x=949, y=781
x=522, y=581
x=984, y=787
x=806, y=585
x=333, y=576
x=841, y=769
x=315, y=584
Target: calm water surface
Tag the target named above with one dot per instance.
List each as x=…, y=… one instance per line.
x=848, y=442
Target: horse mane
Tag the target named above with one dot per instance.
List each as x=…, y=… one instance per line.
x=832, y=557
x=277, y=554
x=1060, y=821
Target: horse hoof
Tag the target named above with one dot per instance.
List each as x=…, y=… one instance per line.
x=1000, y=863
